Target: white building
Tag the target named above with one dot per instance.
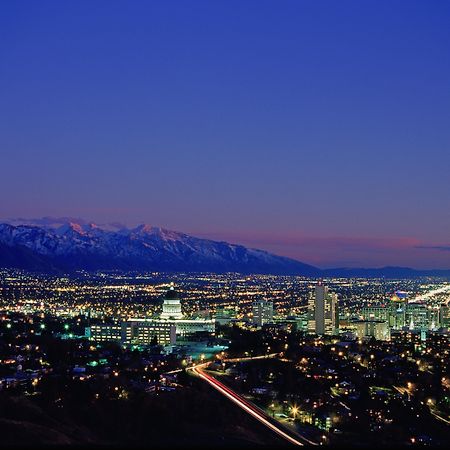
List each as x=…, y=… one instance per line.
x=163, y=330
x=171, y=308
x=171, y=313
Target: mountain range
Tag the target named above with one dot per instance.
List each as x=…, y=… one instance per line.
x=65, y=246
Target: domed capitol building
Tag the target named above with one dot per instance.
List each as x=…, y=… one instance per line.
x=172, y=305
x=165, y=327
x=171, y=313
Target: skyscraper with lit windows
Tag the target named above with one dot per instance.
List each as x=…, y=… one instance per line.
x=323, y=316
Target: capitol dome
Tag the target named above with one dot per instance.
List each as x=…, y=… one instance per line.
x=171, y=308
x=171, y=294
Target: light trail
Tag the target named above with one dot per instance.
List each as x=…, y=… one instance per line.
x=251, y=358
x=432, y=293
x=442, y=419
x=246, y=406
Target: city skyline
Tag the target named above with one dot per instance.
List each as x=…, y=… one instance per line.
x=225, y=224
x=335, y=362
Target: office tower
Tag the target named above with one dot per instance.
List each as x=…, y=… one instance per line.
x=416, y=316
x=444, y=316
x=376, y=313
x=323, y=311
x=262, y=312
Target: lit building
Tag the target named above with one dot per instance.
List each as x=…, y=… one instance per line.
x=392, y=313
x=262, y=312
x=379, y=329
x=224, y=316
x=104, y=332
x=172, y=314
x=146, y=332
x=135, y=331
x=323, y=311
x=185, y=327
x=416, y=316
x=376, y=313
x=163, y=330
x=400, y=314
x=171, y=308
x=445, y=316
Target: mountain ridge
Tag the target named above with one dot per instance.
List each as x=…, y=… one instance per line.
x=73, y=245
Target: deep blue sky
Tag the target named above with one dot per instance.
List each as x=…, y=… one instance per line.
x=315, y=129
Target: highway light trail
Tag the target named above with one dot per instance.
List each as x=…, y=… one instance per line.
x=434, y=292
x=246, y=406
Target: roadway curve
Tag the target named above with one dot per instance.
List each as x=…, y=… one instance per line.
x=248, y=407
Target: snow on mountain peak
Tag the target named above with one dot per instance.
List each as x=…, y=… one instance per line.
x=89, y=246
x=70, y=227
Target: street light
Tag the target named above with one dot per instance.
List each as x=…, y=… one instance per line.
x=294, y=411
x=272, y=407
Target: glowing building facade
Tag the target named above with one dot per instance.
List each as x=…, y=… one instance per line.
x=323, y=313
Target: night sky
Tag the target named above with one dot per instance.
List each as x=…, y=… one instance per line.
x=313, y=129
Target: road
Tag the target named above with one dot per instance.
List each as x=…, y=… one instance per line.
x=442, y=419
x=434, y=292
x=249, y=408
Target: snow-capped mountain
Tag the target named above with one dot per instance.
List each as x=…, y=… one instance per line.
x=77, y=245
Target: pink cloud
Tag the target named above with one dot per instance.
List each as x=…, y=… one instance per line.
x=349, y=251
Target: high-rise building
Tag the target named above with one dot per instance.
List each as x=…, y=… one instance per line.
x=323, y=311
x=392, y=313
x=416, y=316
x=376, y=313
x=262, y=312
x=445, y=316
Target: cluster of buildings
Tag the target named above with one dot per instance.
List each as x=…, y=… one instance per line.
x=162, y=330
x=379, y=321
x=321, y=318
x=399, y=314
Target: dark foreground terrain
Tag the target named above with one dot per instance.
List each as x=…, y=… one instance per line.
x=192, y=417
